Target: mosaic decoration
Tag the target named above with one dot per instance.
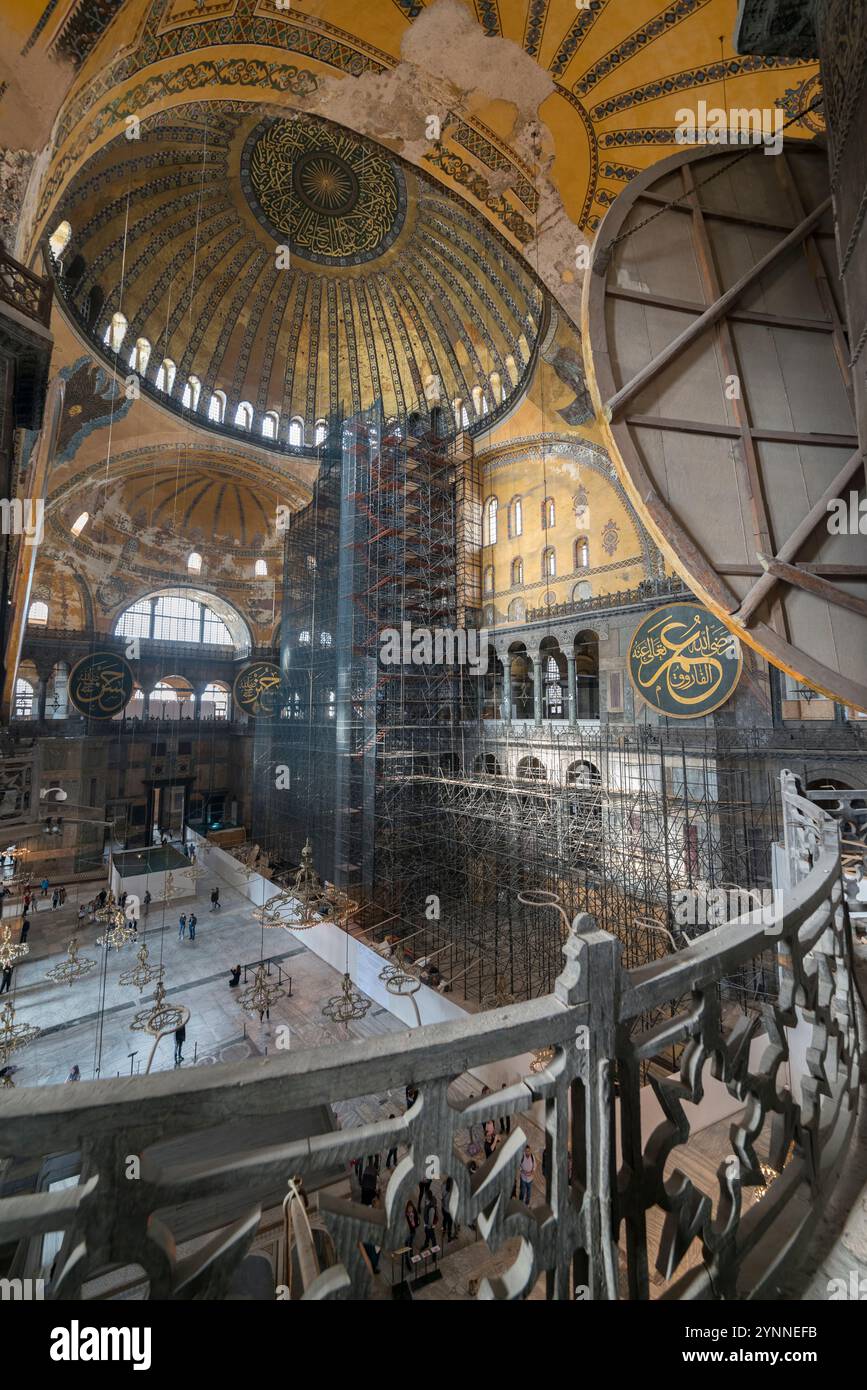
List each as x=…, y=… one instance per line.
x=795, y=101
x=489, y=17
x=686, y=81
x=610, y=537
x=100, y=685
x=537, y=13
x=257, y=689
x=329, y=195
x=639, y=39
x=683, y=661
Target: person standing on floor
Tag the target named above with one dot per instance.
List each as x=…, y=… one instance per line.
x=528, y=1169
x=182, y=926
x=25, y=930
x=75, y=1074
x=505, y=1120
x=82, y=911
x=6, y=981
x=215, y=900
x=448, y=1220
x=369, y=1184
x=180, y=1039
x=412, y=1222
x=431, y=1214
x=55, y=899
x=391, y=1156
x=192, y=925
x=146, y=902
x=43, y=887
x=62, y=892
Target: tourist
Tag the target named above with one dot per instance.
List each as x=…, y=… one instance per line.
x=75, y=1074
x=449, y=1231
x=412, y=1222
x=431, y=1213
x=146, y=902
x=55, y=899
x=411, y=1096
x=235, y=977
x=44, y=888
x=391, y=1156
x=505, y=1120
x=528, y=1169
x=62, y=893
x=180, y=1039
x=182, y=926
x=192, y=925
x=372, y=1251
x=25, y=930
x=215, y=900
x=492, y=1138
x=369, y=1184
x=6, y=982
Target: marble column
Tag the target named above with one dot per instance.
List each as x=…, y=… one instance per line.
x=506, y=701
x=573, y=691
x=41, y=697
x=537, y=691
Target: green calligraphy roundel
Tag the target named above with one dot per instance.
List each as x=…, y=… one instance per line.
x=257, y=688
x=101, y=685
x=683, y=661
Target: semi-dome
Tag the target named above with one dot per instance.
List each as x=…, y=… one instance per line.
x=289, y=270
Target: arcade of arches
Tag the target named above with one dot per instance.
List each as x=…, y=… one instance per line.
x=315, y=344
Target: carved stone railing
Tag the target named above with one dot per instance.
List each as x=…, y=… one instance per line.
x=24, y=289
x=587, y=1231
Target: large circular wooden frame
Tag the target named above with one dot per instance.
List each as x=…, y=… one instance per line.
x=727, y=306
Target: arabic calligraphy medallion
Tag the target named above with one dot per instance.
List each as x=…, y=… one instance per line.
x=101, y=685
x=683, y=661
x=257, y=689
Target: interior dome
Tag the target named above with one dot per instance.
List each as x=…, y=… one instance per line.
x=292, y=267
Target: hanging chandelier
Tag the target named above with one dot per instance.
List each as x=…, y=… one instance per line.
x=159, y=1016
x=109, y=910
x=348, y=1005
x=14, y=1036
x=401, y=983
x=143, y=974
x=75, y=967
x=118, y=934
x=312, y=901
x=259, y=997
x=268, y=915
x=11, y=951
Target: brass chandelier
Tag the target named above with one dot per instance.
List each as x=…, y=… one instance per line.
x=312, y=901
x=348, y=1005
x=75, y=967
x=260, y=995
x=143, y=974
x=159, y=1016
x=14, y=1036
x=11, y=951
x=118, y=934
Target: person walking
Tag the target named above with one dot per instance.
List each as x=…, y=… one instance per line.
x=82, y=912
x=192, y=925
x=215, y=900
x=431, y=1214
x=146, y=902
x=28, y=899
x=449, y=1232
x=391, y=1156
x=25, y=930
x=62, y=894
x=55, y=899
x=44, y=888
x=369, y=1184
x=75, y=1074
x=505, y=1120
x=180, y=1039
x=6, y=982
x=528, y=1169
x=182, y=926
x=412, y=1222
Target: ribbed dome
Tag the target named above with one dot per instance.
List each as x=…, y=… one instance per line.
x=393, y=290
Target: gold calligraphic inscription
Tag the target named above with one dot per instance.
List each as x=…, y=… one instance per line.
x=322, y=190
x=100, y=685
x=257, y=688
x=684, y=661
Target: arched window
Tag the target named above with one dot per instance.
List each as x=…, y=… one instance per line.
x=177, y=617
x=548, y=514
x=192, y=391
x=582, y=590
x=304, y=637
x=516, y=517
x=165, y=378
x=296, y=432
x=22, y=707
x=498, y=391
x=140, y=355
x=217, y=407
x=553, y=693
x=489, y=579
x=479, y=403
x=171, y=699
x=489, y=529
x=325, y=639
x=512, y=369
x=261, y=569
x=549, y=562
x=79, y=523
x=38, y=614
x=518, y=571
x=462, y=417
x=319, y=432
x=582, y=553
x=244, y=416
x=194, y=562
x=530, y=769
x=59, y=239
x=270, y=421
x=214, y=703
x=115, y=332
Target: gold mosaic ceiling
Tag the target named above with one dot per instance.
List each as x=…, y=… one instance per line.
x=291, y=265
